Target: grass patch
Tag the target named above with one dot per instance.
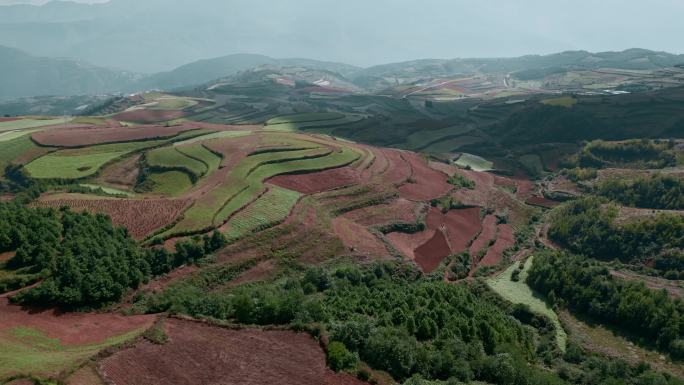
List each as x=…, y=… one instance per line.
x=82, y=162
x=474, y=162
x=519, y=292
x=270, y=209
x=214, y=135
x=11, y=150
x=11, y=135
x=302, y=118
x=29, y=123
x=108, y=190
x=29, y=351
x=565, y=101
x=172, y=183
x=211, y=161
x=170, y=158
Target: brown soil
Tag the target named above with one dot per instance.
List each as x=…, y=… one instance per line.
x=87, y=375
x=504, y=240
x=407, y=243
x=77, y=137
x=430, y=254
x=317, y=182
x=358, y=240
x=71, y=328
x=148, y=116
x=260, y=272
x=399, y=210
x=447, y=169
x=121, y=175
x=140, y=216
x=198, y=353
x=425, y=183
x=6, y=256
x=487, y=235
x=542, y=202
x=398, y=170
x=461, y=226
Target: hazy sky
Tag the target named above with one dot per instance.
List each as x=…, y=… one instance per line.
x=367, y=32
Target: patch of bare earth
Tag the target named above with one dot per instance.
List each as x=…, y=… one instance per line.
x=198, y=353
x=673, y=287
x=140, y=216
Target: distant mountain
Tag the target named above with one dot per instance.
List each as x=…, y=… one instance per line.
x=24, y=75
x=203, y=71
x=631, y=59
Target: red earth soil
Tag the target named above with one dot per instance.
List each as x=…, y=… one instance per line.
x=542, y=202
x=257, y=273
x=149, y=116
x=358, y=239
x=379, y=165
x=197, y=353
x=86, y=375
x=140, y=216
x=399, y=210
x=22, y=381
x=461, y=226
x=488, y=233
x=430, y=254
x=8, y=119
x=4, y=257
x=426, y=183
x=72, y=328
x=398, y=170
x=76, y=137
x=504, y=240
x=316, y=182
x=443, y=167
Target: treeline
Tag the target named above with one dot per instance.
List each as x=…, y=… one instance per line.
x=419, y=330
x=85, y=260
x=654, y=192
x=588, y=288
x=639, y=153
x=588, y=226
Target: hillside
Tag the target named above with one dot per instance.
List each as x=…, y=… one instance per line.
x=25, y=75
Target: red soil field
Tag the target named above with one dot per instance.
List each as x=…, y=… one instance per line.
x=427, y=183
x=399, y=210
x=430, y=254
x=379, y=166
x=140, y=216
x=461, y=226
x=542, y=202
x=6, y=256
x=398, y=170
x=504, y=240
x=8, y=119
x=148, y=116
x=197, y=353
x=443, y=167
x=316, y=182
x=87, y=375
x=488, y=233
x=72, y=328
x=77, y=137
x=358, y=239
x=407, y=243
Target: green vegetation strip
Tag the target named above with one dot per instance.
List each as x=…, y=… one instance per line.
x=169, y=158
x=29, y=123
x=519, y=293
x=474, y=162
x=246, y=181
x=198, y=152
x=308, y=117
x=30, y=351
x=270, y=209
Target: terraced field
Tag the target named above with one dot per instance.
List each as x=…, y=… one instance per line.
x=199, y=152
x=271, y=208
x=245, y=181
x=80, y=163
x=170, y=158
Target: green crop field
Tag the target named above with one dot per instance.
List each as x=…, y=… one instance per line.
x=199, y=152
x=82, y=162
x=565, y=101
x=301, y=118
x=424, y=138
x=271, y=208
x=10, y=135
x=108, y=190
x=321, y=126
x=12, y=149
x=169, y=158
x=172, y=103
x=474, y=162
x=171, y=183
x=30, y=351
x=29, y=123
x=214, y=135
x=246, y=181
x=519, y=292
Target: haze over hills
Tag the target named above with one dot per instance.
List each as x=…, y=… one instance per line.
x=152, y=36
x=25, y=75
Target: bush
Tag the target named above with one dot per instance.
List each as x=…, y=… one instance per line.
x=339, y=358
